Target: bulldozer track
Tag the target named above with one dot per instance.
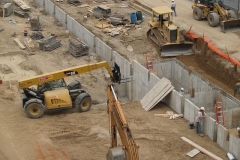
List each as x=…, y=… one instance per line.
x=155, y=36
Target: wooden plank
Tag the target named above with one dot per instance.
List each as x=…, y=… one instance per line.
x=19, y=43
x=201, y=149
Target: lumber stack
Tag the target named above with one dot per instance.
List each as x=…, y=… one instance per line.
x=156, y=94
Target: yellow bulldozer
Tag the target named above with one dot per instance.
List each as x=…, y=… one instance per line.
x=216, y=13
x=166, y=35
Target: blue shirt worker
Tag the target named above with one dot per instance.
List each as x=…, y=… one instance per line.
x=199, y=118
x=173, y=7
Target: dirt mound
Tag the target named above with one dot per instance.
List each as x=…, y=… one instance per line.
x=5, y=69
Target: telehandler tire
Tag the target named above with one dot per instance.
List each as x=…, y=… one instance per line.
x=83, y=102
x=213, y=19
x=34, y=108
x=232, y=15
x=197, y=13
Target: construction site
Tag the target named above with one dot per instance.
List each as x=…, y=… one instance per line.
x=109, y=79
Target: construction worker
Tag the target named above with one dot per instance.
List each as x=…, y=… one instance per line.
x=199, y=118
x=181, y=91
x=173, y=7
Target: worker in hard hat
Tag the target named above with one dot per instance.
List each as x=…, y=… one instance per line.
x=181, y=91
x=199, y=118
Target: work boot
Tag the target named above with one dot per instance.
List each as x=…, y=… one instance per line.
x=200, y=135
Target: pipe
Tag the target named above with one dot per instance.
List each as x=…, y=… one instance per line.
x=211, y=46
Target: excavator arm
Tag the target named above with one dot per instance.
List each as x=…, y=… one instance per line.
x=128, y=150
x=114, y=74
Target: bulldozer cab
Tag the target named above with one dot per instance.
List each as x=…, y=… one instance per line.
x=208, y=3
x=160, y=15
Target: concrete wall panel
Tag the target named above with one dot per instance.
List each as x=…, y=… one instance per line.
x=140, y=76
x=103, y=50
x=40, y=3
x=87, y=37
x=234, y=146
x=164, y=69
x=61, y=16
x=153, y=80
x=228, y=119
x=222, y=137
x=210, y=128
x=125, y=68
x=70, y=24
x=190, y=110
x=50, y=7
x=235, y=118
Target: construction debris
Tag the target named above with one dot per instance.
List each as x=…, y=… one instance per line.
x=35, y=24
x=168, y=114
x=77, y=47
x=12, y=21
x=193, y=152
x=19, y=43
x=6, y=9
x=22, y=5
x=175, y=116
x=102, y=11
x=13, y=34
x=21, y=13
x=75, y=2
x=101, y=24
x=49, y=43
x=117, y=19
x=129, y=48
x=201, y=149
x=36, y=35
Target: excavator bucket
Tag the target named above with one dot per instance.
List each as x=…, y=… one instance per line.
x=169, y=50
x=230, y=24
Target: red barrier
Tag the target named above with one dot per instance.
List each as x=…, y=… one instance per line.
x=211, y=46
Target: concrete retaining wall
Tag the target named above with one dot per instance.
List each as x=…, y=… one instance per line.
x=61, y=16
x=41, y=3
x=125, y=89
x=234, y=145
x=50, y=7
x=174, y=99
x=222, y=137
x=103, y=50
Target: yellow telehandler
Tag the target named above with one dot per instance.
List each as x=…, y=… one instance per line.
x=52, y=92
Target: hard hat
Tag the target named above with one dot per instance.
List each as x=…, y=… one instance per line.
x=182, y=89
x=172, y=0
x=202, y=108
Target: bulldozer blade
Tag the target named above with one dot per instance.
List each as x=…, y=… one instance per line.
x=169, y=50
x=230, y=24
